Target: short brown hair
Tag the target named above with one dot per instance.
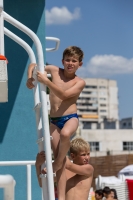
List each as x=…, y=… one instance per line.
x=77, y=145
x=73, y=51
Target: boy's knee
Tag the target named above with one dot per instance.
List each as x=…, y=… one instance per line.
x=65, y=134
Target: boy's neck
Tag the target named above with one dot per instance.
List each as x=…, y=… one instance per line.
x=76, y=163
x=69, y=76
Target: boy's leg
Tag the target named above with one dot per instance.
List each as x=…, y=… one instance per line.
x=61, y=182
x=68, y=130
x=55, y=133
x=60, y=175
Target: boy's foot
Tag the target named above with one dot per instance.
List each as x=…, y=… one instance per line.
x=56, y=165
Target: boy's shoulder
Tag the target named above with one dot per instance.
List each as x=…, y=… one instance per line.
x=90, y=167
x=81, y=80
x=51, y=68
x=84, y=169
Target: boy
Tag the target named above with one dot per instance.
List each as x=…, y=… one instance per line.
x=99, y=194
x=79, y=174
x=65, y=89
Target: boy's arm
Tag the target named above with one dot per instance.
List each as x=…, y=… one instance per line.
x=71, y=92
x=48, y=68
x=38, y=172
x=40, y=159
x=86, y=170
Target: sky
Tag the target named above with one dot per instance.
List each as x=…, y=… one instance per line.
x=103, y=29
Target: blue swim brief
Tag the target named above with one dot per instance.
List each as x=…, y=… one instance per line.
x=60, y=121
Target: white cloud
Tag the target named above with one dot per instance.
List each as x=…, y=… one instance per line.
x=61, y=15
x=83, y=72
x=106, y=65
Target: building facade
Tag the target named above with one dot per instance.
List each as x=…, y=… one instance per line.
x=99, y=119
x=126, y=123
x=98, y=101
x=105, y=142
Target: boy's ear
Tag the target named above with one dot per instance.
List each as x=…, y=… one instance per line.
x=62, y=62
x=80, y=64
x=72, y=155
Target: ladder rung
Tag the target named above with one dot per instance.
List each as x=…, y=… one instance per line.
x=48, y=75
x=37, y=106
x=35, y=72
x=45, y=175
x=42, y=139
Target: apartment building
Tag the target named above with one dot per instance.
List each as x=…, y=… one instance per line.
x=126, y=123
x=98, y=101
x=111, y=141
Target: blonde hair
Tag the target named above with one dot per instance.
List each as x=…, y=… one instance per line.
x=73, y=51
x=77, y=145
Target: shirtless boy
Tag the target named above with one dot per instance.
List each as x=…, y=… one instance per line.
x=65, y=89
x=79, y=174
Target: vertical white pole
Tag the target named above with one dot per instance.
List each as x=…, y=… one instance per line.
x=38, y=111
x=1, y=28
x=28, y=182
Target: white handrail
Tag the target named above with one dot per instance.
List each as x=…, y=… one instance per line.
x=1, y=4
x=45, y=122
x=14, y=163
x=32, y=60
x=57, y=40
x=1, y=28
x=31, y=34
x=28, y=181
x=21, y=43
x=8, y=183
x=20, y=163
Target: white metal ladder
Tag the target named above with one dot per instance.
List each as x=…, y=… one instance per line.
x=41, y=110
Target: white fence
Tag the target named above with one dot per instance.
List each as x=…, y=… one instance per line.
x=20, y=163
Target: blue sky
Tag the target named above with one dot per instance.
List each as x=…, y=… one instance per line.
x=104, y=31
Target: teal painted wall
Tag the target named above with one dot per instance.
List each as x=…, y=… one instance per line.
x=17, y=118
